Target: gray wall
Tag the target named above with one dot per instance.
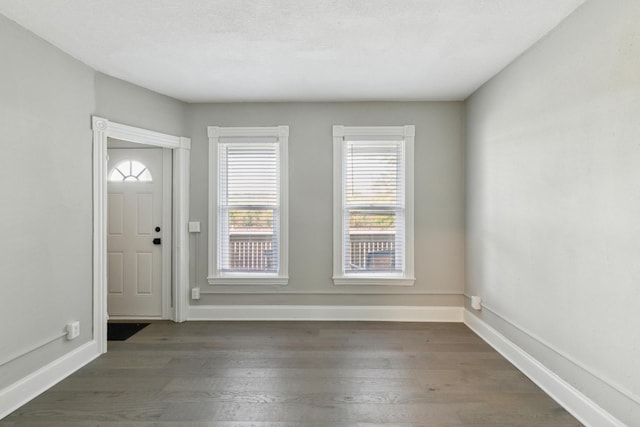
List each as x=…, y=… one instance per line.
x=46, y=100
x=126, y=103
x=554, y=202
x=439, y=200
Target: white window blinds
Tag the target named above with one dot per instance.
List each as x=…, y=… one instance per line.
x=249, y=203
x=373, y=206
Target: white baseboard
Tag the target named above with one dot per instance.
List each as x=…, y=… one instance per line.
x=29, y=387
x=324, y=312
x=580, y=406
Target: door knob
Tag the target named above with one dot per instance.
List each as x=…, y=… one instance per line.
x=157, y=241
x=157, y=229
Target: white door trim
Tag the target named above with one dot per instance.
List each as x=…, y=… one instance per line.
x=166, y=235
x=103, y=129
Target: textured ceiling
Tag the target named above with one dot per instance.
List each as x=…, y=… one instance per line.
x=295, y=50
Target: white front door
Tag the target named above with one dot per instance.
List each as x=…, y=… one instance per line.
x=134, y=232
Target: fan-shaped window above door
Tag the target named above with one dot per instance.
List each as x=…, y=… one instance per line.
x=130, y=171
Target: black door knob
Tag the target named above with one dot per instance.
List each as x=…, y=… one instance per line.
x=157, y=241
x=157, y=229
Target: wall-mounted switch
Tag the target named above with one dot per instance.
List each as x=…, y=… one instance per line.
x=195, y=293
x=73, y=330
x=194, y=226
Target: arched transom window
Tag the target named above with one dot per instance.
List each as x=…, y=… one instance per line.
x=130, y=171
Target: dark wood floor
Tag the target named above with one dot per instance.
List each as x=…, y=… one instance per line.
x=282, y=374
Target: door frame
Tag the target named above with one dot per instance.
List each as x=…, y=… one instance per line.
x=102, y=130
x=165, y=234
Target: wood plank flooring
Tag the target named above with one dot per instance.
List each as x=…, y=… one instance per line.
x=285, y=374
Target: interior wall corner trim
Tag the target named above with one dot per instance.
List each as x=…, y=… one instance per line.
x=29, y=387
x=329, y=313
x=580, y=406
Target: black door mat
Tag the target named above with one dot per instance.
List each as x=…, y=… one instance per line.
x=123, y=331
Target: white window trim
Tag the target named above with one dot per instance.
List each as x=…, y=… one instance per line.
x=407, y=133
x=215, y=276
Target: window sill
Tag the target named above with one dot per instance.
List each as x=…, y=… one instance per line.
x=248, y=280
x=373, y=281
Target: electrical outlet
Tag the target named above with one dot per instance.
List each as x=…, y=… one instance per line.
x=476, y=303
x=195, y=293
x=73, y=330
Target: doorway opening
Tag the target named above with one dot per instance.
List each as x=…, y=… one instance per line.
x=138, y=231
x=174, y=302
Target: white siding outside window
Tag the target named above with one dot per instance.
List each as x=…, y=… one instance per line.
x=248, y=205
x=373, y=205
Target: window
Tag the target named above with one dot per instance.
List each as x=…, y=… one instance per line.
x=373, y=205
x=130, y=171
x=248, y=218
